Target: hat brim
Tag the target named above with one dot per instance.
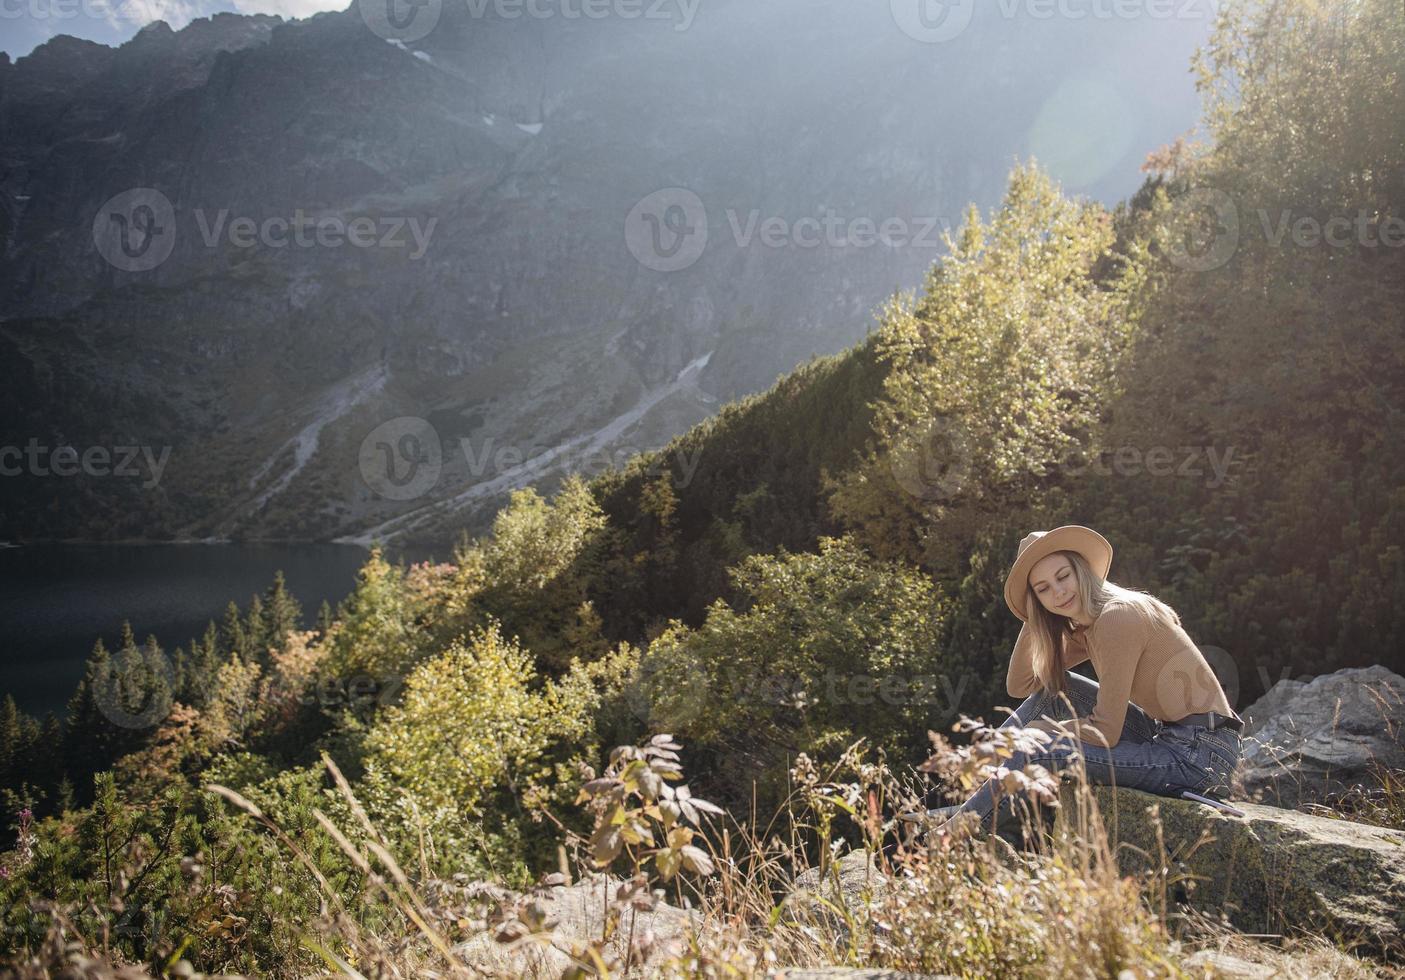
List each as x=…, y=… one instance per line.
x=1071, y=537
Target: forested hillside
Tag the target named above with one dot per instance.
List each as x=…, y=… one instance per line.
x=1212, y=375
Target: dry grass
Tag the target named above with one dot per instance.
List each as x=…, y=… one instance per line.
x=955, y=903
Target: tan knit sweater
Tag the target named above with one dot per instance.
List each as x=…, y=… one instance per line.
x=1157, y=668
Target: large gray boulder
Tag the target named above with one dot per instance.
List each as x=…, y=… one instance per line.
x=1271, y=871
x=1309, y=741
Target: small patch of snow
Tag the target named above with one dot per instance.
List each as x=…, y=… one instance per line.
x=531, y=129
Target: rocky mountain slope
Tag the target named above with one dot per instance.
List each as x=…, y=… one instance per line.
x=351, y=280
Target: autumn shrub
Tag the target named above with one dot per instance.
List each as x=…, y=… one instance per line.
x=478, y=733
x=826, y=648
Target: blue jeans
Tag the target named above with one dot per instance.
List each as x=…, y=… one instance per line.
x=1151, y=755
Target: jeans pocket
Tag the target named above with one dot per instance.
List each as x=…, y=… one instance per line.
x=1223, y=752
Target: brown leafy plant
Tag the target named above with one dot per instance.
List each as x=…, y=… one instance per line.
x=640, y=814
x=644, y=773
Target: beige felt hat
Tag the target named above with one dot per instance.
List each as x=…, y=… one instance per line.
x=1039, y=544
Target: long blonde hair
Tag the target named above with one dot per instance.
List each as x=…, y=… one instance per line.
x=1051, y=630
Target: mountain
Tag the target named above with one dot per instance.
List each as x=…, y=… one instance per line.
x=337, y=277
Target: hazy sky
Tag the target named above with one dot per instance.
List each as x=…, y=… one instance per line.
x=1115, y=80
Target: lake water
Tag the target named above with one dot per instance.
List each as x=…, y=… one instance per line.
x=56, y=600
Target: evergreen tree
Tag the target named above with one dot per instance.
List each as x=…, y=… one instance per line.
x=42, y=766
x=11, y=736
x=129, y=640
x=256, y=631
x=282, y=612
x=180, y=674
x=234, y=641
x=64, y=798
x=204, y=660
x=91, y=740
x=324, y=619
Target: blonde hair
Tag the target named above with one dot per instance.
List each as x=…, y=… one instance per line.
x=1050, y=630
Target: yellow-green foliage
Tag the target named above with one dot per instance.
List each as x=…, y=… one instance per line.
x=535, y=567
x=996, y=375
x=1275, y=349
x=534, y=541
x=376, y=634
x=829, y=647
x=470, y=722
x=475, y=720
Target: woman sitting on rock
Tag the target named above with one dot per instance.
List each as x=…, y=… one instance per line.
x=1156, y=719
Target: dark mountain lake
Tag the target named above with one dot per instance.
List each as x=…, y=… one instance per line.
x=56, y=600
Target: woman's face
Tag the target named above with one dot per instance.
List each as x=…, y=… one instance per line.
x=1056, y=584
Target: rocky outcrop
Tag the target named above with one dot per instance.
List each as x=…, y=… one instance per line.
x=854, y=973
x=1272, y=871
x=577, y=912
x=1310, y=741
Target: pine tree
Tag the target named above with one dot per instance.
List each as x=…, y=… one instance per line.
x=204, y=660
x=89, y=742
x=324, y=619
x=10, y=740
x=282, y=612
x=29, y=765
x=256, y=630
x=43, y=768
x=234, y=641
x=64, y=798
x=180, y=675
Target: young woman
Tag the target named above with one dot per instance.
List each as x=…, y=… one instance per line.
x=1156, y=719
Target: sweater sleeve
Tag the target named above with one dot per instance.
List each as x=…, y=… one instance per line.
x=1116, y=643
x=1020, y=680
